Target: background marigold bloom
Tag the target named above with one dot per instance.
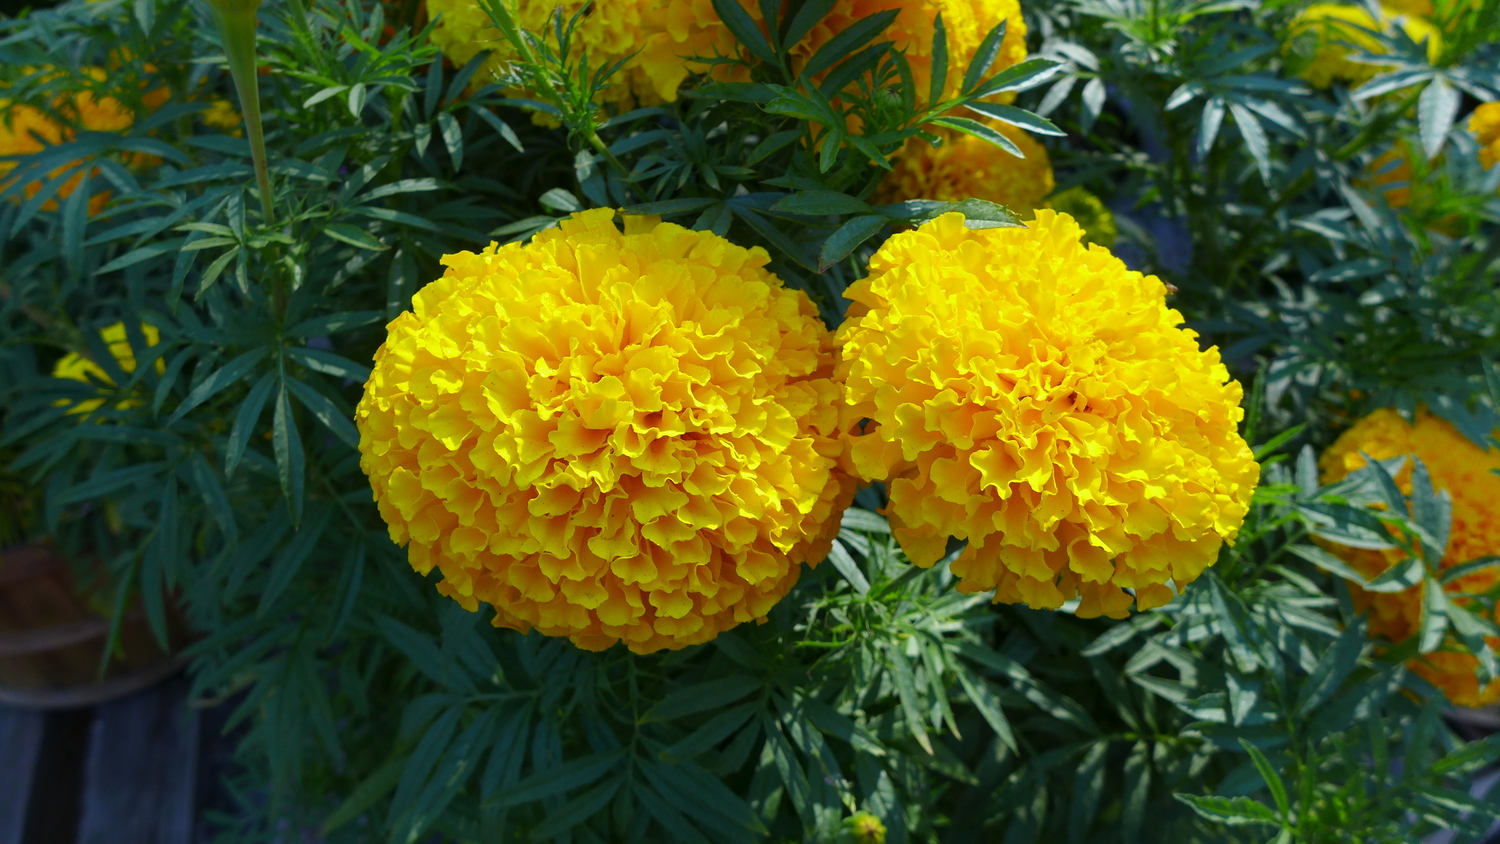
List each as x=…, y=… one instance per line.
x=608, y=33
x=1086, y=209
x=609, y=436
x=691, y=28
x=79, y=368
x=26, y=130
x=1036, y=398
x=1485, y=124
x=966, y=167
x=659, y=38
x=1335, y=30
x=1462, y=468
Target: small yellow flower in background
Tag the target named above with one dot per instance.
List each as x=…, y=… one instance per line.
x=1485, y=124
x=1459, y=466
x=1330, y=32
x=609, y=435
x=222, y=115
x=966, y=167
x=1034, y=397
x=79, y=368
x=1086, y=209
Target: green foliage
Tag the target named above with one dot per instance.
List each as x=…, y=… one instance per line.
x=222, y=472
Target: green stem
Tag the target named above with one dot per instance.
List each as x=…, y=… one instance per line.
x=237, y=29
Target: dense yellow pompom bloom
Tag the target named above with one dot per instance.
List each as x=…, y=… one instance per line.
x=1459, y=466
x=660, y=38
x=1033, y=396
x=1485, y=124
x=1096, y=220
x=79, y=368
x=609, y=436
x=966, y=167
x=1332, y=31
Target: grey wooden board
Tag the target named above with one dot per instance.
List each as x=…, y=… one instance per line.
x=140, y=776
x=20, y=741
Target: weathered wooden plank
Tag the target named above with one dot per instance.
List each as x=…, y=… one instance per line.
x=139, y=781
x=20, y=742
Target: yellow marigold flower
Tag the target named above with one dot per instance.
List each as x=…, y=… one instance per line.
x=608, y=33
x=1462, y=468
x=1096, y=220
x=659, y=38
x=1485, y=124
x=1034, y=397
x=1335, y=30
x=967, y=22
x=966, y=167
x=609, y=436
x=79, y=368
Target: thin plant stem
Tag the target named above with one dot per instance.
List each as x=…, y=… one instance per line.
x=236, y=23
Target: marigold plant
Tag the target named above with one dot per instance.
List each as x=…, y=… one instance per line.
x=1034, y=397
x=608, y=436
x=1466, y=472
x=964, y=167
x=1336, y=30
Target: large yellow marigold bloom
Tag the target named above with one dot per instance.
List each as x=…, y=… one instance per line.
x=79, y=368
x=609, y=436
x=966, y=167
x=1335, y=30
x=1485, y=124
x=1038, y=399
x=1462, y=468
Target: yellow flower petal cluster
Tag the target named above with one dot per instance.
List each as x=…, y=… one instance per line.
x=609, y=435
x=79, y=368
x=1485, y=124
x=1459, y=466
x=1034, y=397
x=966, y=167
x=659, y=38
x=1096, y=220
x=1332, y=31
